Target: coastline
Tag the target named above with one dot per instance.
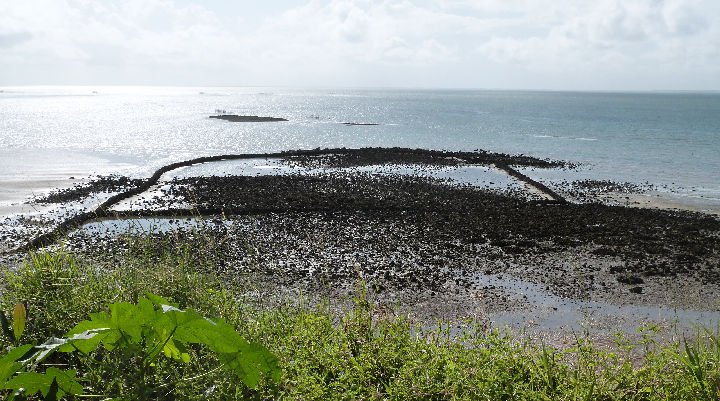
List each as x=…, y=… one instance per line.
x=666, y=201
x=305, y=224
x=17, y=196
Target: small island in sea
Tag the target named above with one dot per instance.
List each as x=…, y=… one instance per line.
x=246, y=119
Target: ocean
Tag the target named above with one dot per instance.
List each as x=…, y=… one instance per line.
x=668, y=140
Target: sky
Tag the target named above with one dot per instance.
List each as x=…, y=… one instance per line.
x=493, y=44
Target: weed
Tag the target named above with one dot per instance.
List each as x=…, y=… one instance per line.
x=361, y=354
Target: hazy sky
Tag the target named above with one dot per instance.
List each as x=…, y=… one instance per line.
x=516, y=44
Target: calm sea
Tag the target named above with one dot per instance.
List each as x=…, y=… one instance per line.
x=671, y=140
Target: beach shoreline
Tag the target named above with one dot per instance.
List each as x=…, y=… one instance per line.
x=446, y=250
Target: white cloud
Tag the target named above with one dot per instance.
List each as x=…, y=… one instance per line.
x=366, y=31
x=129, y=33
x=476, y=43
x=612, y=32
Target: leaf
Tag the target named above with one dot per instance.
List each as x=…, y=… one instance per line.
x=176, y=351
x=124, y=325
x=158, y=300
x=9, y=362
x=32, y=382
x=86, y=342
x=249, y=361
x=158, y=326
x=52, y=394
x=19, y=318
x=128, y=319
x=88, y=335
x=252, y=363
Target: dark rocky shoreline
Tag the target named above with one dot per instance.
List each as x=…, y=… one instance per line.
x=99, y=184
x=428, y=240
x=650, y=243
x=364, y=156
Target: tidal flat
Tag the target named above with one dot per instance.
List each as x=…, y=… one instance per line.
x=436, y=235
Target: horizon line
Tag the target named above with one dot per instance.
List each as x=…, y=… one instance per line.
x=376, y=88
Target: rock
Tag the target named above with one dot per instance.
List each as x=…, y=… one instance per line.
x=246, y=119
x=630, y=279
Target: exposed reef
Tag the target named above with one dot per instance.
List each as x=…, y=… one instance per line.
x=328, y=157
x=100, y=184
x=415, y=233
x=343, y=158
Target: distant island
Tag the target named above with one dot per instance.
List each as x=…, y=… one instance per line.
x=246, y=119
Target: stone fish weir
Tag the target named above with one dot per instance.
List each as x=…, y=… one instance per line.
x=380, y=155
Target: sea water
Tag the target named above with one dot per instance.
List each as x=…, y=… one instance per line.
x=47, y=134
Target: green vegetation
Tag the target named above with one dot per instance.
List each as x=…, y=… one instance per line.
x=151, y=351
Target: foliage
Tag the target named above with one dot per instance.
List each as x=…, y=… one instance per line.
x=362, y=353
x=139, y=331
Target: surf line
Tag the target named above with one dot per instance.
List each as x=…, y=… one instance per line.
x=104, y=209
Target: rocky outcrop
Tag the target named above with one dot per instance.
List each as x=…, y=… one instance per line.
x=246, y=119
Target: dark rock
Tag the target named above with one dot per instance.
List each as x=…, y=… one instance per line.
x=246, y=119
x=630, y=279
x=100, y=184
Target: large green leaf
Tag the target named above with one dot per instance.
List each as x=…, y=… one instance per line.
x=130, y=319
x=19, y=319
x=103, y=334
x=32, y=383
x=249, y=361
x=125, y=324
x=9, y=362
x=160, y=327
x=252, y=363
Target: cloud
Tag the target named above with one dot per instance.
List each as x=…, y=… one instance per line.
x=356, y=30
x=613, y=32
x=12, y=39
x=463, y=43
x=148, y=31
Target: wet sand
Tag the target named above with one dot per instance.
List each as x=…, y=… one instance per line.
x=17, y=196
x=666, y=201
x=26, y=174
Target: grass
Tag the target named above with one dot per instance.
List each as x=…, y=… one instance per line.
x=360, y=354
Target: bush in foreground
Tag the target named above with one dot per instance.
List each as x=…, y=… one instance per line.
x=361, y=354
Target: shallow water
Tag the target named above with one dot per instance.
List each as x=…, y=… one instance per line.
x=480, y=176
x=151, y=225
x=668, y=139
x=548, y=311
